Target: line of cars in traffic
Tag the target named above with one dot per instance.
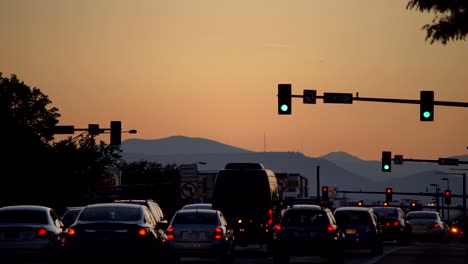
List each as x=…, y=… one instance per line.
x=139, y=229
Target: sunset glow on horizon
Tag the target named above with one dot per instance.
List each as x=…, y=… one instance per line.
x=211, y=69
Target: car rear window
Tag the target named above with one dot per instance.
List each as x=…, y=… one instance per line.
x=421, y=216
x=305, y=217
x=207, y=218
x=111, y=214
x=386, y=212
x=352, y=217
x=23, y=217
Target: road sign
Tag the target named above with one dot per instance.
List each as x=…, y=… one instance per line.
x=333, y=191
x=282, y=184
x=448, y=161
x=188, y=172
x=338, y=98
x=398, y=159
x=309, y=97
x=188, y=189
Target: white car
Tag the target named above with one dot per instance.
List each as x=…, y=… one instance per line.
x=427, y=225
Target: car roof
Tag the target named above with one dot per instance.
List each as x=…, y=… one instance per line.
x=426, y=212
x=26, y=207
x=115, y=204
x=353, y=208
x=193, y=211
x=306, y=206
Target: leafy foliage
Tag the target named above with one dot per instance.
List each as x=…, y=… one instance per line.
x=450, y=22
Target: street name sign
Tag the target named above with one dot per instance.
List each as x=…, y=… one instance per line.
x=338, y=98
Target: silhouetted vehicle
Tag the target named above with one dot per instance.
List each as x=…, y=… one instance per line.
x=114, y=230
x=428, y=225
x=70, y=215
x=455, y=227
x=308, y=230
x=393, y=224
x=197, y=206
x=200, y=233
x=30, y=232
x=161, y=222
x=247, y=194
x=361, y=228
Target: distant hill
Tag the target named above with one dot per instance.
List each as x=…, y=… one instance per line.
x=178, y=145
x=337, y=169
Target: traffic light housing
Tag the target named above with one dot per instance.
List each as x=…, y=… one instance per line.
x=426, y=106
x=116, y=133
x=325, y=193
x=388, y=194
x=448, y=197
x=284, y=99
x=386, y=161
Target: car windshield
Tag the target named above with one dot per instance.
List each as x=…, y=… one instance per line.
x=411, y=216
x=110, y=214
x=304, y=217
x=197, y=217
x=23, y=217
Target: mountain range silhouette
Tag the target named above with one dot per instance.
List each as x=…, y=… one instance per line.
x=337, y=169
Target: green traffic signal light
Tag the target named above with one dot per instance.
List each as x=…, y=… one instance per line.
x=426, y=106
x=284, y=99
x=386, y=167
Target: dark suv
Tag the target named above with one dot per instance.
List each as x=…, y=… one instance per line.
x=308, y=230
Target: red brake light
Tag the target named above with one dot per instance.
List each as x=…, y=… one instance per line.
x=170, y=233
x=387, y=224
x=396, y=223
x=436, y=225
x=218, y=233
x=142, y=232
x=330, y=228
x=270, y=214
x=278, y=227
x=41, y=232
x=71, y=231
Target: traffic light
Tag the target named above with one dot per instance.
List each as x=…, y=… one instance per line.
x=426, y=106
x=388, y=194
x=360, y=203
x=448, y=197
x=385, y=203
x=284, y=99
x=116, y=133
x=325, y=193
x=386, y=161
x=413, y=204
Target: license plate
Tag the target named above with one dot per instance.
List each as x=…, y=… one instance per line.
x=351, y=231
x=192, y=235
x=305, y=235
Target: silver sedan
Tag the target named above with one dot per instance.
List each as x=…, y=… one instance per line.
x=30, y=231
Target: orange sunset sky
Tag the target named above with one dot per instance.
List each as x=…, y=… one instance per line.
x=210, y=69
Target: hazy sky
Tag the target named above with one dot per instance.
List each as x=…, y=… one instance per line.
x=210, y=69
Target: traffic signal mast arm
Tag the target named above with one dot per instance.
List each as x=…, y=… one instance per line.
x=392, y=100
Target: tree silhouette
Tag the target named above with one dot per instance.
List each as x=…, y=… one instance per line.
x=27, y=122
x=450, y=22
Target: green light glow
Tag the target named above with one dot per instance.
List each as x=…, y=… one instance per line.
x=284, y=108
x=386, y=167
x=427, y=114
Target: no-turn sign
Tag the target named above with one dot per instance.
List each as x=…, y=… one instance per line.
x=282, y=185
x=189, y=189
